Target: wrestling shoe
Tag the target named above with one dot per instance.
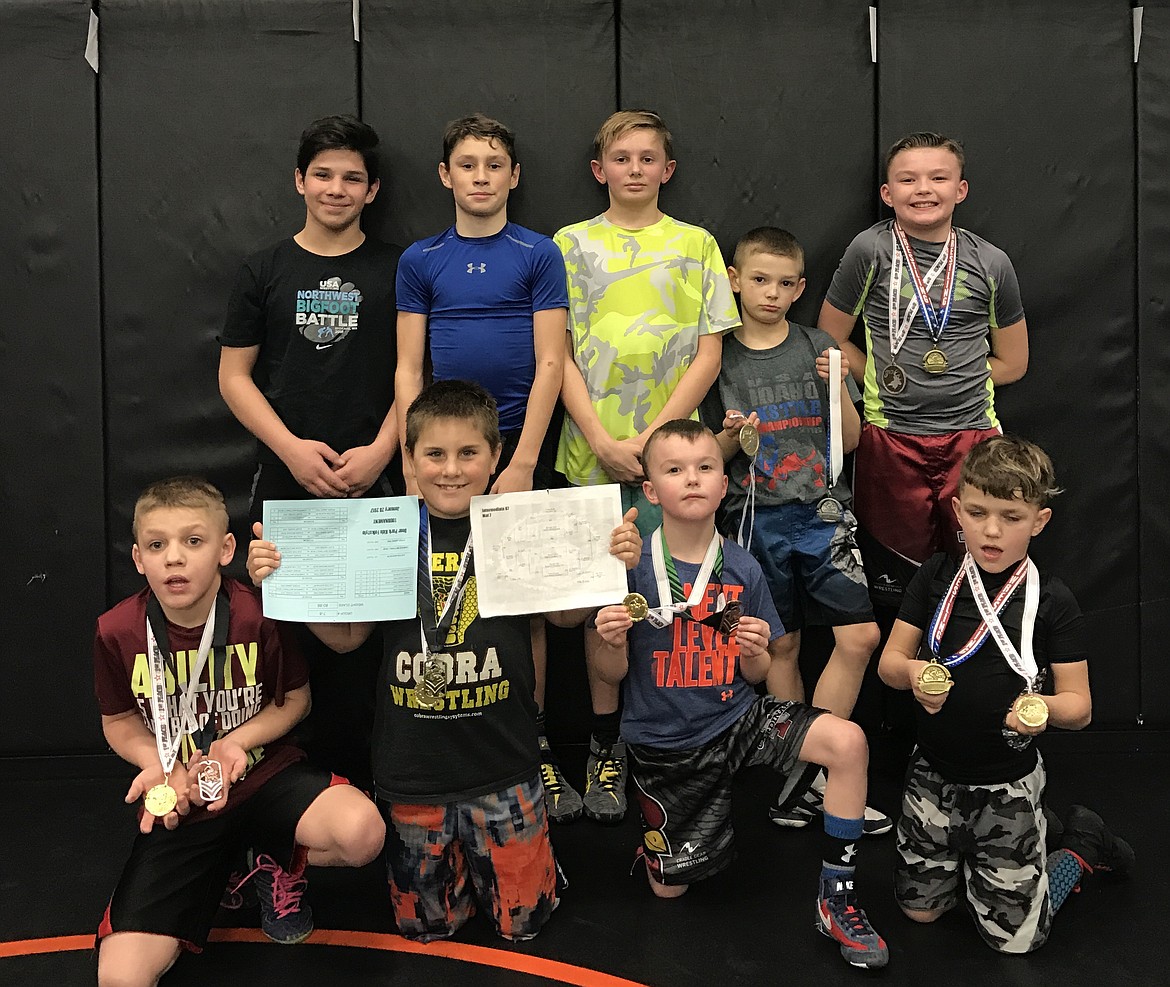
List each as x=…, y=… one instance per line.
x=605, y=782
x=840, y=918
x=239, y=893
x=1085, y=835
x=803, y=809
x=563, y=803
x=799, y=814
x=284, y=918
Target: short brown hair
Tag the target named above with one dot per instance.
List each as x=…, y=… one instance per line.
x=683, y=428
x=453, y=399
x=483, y=128
x=768, y=240
x=1006, y=466
x=626, y=120
x=192, y=492
x=926, y=139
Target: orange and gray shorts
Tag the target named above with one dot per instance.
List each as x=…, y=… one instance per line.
x=492, y=850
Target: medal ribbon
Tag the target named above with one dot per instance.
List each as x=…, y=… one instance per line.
x=834, y=444
x=1023, y=662
x=671, y=601
x=922, y=286
x=936, y=322
x=161, y=660
x=434, y=625
x=749, y=506
x=942, y=614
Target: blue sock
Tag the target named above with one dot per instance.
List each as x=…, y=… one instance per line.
x=839, y=847
x=1064, y=874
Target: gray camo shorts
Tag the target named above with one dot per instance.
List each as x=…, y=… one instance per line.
x=996, y=833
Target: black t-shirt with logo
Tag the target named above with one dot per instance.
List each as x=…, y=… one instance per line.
x=964, y=741
x=484, y=738
x=325, y=328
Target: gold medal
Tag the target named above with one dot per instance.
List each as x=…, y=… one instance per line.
x=749, y=439
x=160, y=800
x=1031, y=710
x=935, y=679
x=935, y=361
x=636, y=606
x=431, y=690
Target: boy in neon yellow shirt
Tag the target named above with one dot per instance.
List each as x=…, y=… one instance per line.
x=649, y=299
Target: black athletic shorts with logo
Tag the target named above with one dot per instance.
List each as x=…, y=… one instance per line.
x=174, y=880
x=685, y=795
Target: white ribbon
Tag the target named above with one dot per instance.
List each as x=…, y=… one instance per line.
x=1023, y=662
x=899, y=331
x=167, y=743
x=664, y=614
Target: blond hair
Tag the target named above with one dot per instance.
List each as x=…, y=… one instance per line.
x=192, y=492
x=623, y=122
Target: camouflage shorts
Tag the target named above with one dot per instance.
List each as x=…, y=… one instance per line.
x=997, y=833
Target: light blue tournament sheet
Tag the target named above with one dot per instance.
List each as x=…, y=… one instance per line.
x=342, y=560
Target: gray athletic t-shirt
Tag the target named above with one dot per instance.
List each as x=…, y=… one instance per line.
x=780, y=385
x=987, y=296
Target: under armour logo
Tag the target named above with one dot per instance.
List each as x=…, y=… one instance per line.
x=849, y=854
x=726, y=694
x=476, y=269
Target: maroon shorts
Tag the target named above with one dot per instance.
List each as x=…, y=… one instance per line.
x=902, y=490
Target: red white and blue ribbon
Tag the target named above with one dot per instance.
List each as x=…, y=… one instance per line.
x=936, y=322
x=1023, y=662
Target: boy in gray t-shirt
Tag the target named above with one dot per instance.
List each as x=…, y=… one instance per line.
x=788, y=509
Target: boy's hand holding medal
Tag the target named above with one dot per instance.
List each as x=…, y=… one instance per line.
x=154, y=788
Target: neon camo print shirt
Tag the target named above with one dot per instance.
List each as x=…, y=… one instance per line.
x=638, y=302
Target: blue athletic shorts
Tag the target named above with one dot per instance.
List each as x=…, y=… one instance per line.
x=813, y=567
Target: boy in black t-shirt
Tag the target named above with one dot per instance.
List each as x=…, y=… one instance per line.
x=308, y=350
x=973, y=795
x=307, y=366
x=458, y=777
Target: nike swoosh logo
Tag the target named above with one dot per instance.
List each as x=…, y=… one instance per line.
x=323, y=346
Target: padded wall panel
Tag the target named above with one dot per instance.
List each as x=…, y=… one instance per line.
x=771, y=111
x=52, y=527
x=202, y=106
x=1153, y=119
x=544, y=69
x=1020, y=84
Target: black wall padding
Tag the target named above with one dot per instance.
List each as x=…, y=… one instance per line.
x=52, y=526
x=1153, y=121
x=1020, y=84
x=544, y=69
x=201, y=111
x=771, y=111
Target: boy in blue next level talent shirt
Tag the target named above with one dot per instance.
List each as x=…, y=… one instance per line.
x=691, y=718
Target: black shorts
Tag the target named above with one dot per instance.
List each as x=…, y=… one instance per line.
x=174, y=879
x=685, y=795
